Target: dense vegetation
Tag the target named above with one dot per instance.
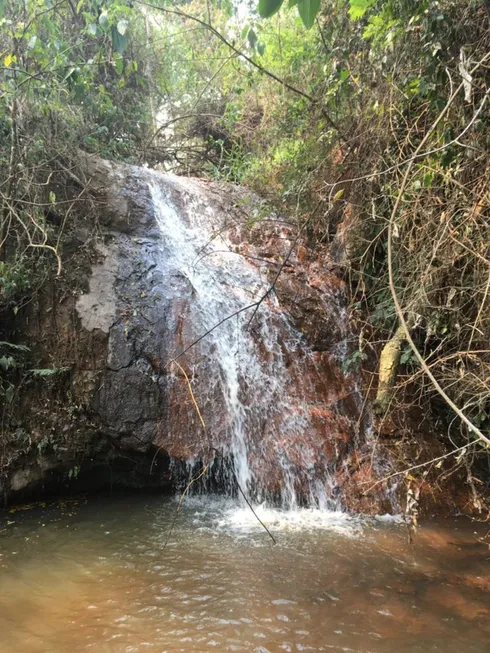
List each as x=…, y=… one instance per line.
x=366, y=121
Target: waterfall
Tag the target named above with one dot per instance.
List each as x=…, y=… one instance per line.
x=253, y=378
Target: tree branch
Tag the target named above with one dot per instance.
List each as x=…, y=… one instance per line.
x=264, y=71
x=399, y=311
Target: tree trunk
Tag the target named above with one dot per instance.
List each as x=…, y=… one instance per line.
x=388, y=369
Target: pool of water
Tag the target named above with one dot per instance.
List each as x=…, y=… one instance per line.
x=96, y=575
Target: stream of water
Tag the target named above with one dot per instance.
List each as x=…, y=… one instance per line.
x=95, y=575
x=265, y=404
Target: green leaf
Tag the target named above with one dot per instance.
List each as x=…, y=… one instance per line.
x=10, y=345
x=31, y=43
x=7, y=362
x=119, y=42
x=104, y=20
x=119, y=66
x=252, y=38
x=48, y=371
x=122, y=26
x=268, y=8
x=92, y=29
x=292, y=3
x=9, y=393
x=406, y=356
x=69, y=73
x=261, y=49
x=308, y=10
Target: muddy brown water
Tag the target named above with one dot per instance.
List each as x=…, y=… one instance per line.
x=95, y=575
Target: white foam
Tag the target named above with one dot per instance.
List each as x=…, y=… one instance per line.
x=298, y=519
x=390, y=519
x=234, y=517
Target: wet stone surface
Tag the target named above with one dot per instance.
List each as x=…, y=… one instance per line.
x=174, y=258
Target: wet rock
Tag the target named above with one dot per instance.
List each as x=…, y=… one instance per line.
x=142, y=380
x=24, y=478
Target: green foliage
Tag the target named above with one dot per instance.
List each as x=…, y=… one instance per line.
x=74, y=472
x=357, y=8
x=14, y=280
x=12, y=359
x=12, y=356
x=353, y=362
x=407, y=356
x=48, y=371
x=69, y=80
x=12, y=346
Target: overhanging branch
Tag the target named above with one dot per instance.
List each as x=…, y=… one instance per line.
x=182, y=14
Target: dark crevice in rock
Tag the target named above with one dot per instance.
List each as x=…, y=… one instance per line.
x=43, y=477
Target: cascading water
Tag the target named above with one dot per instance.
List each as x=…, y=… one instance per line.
x=259, y=389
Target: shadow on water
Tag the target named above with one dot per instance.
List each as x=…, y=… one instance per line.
x=94, y=575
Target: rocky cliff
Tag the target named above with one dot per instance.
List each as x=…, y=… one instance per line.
x=157, y=263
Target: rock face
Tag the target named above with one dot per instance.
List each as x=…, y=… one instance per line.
x=262, y=398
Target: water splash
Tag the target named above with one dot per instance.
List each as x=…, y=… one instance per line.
x=227, y=516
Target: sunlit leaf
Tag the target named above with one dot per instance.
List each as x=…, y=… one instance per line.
x=119, y=66
x=122, y=26
x=358, y=8
x=69, y=73
x=48, y=371
x=104, y=20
